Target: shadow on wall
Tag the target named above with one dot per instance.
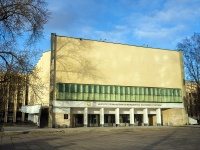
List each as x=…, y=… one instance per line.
x=74, y=62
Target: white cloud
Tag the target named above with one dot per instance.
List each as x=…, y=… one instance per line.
x=168, y=23
x=117, y=34
x=152, y=22
x=158, y=33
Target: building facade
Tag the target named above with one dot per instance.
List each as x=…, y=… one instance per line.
x=13, y=96
x=96, y=83
x=192, y=102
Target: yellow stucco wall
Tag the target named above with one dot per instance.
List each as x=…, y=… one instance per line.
x=41, y=81
x=94, y=62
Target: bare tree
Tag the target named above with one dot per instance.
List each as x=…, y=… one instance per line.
x=20, y=20
x=22, y=17
x=191, y=51
x=21, y=23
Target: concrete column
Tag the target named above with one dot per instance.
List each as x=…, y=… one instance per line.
x=132, y=117
x=85, y=117
x=15, y=107
x=158, y=116
x=14, y=115
x=117, y=117
x=6, y=116
x=97, y=120
x=145, y=117
x=102, y=117
x=23, y=116
x=23, y=103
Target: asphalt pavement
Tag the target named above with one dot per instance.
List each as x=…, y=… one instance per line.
x=141, y=137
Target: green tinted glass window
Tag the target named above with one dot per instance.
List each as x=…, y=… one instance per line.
x=79, y=88
x=91, y=88
x=107, y=89
x=69, y=91
x=67, y=87
x=165, y=92
x=73, y=88
x=96, y=89
x=112, y=89
x=131, y=90
x=179, y=91
x=117, y=89
x=158, y=91
x=141, y=91
x=127, y=90
x=154, y=91
x=149, y=91
x=161, y=92
x=122, y=90
x=137, y=90
x=168, y=92
x=85, y=88
x=145, y=91
x=102, y=89
x=60, y=87
x=174, y=92
x=171, y=92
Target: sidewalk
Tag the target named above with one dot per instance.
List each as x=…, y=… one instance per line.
x=106, y=138
x=34, y=129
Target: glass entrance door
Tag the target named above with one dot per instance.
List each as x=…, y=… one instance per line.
x=109, y=120
x=78, y=120
x=93, y=120
x=124, y=120
x=138, y=119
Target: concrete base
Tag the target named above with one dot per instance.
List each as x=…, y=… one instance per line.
x=131, y=124
x=85, y=125
x=145, y=124
x=101, y=125
x=117, y=125
x=158, y=124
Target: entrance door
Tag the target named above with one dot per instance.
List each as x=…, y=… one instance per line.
x=78, y=120
x=150, y=120
x=109, y=120
x=93, y=120
x=124, y=120
x=138, y=119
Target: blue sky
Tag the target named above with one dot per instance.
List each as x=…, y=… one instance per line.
x=156, y=23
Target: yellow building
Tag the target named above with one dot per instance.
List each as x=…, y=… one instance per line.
x=13, y=89
x=192, y=102
x=96, y=83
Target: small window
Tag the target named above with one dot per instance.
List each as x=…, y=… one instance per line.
x=65, y=116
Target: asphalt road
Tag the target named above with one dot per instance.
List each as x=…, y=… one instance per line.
x=137, y=138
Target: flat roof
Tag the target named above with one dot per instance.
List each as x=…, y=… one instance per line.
x=112, y=42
